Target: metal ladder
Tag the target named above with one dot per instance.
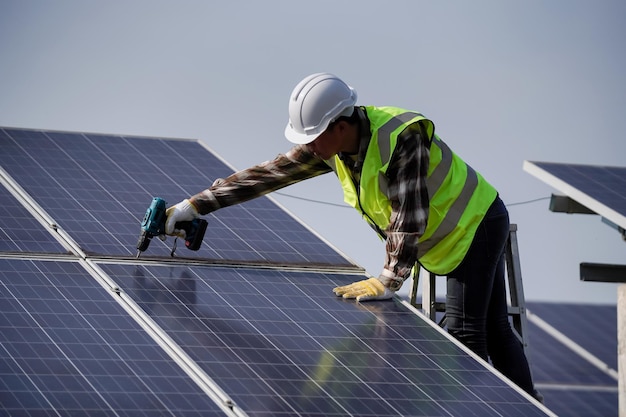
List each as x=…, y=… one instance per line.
x=517, y=304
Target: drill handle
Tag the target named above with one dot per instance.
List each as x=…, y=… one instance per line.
x=194, y=232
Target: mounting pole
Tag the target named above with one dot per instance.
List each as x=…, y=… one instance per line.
x=613, y=273
x=621, y=348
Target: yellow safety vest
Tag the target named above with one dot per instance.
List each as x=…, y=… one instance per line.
x=459, y=196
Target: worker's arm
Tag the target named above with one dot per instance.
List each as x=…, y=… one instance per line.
x=408, y=193
x=406, y=175
x=296, y=165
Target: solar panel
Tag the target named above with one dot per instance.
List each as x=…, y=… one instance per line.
x=264, y=324
x=570, y=401
x=281, y=343
x=20, y=232
x=569, y=382
x=97, y=188
x=599, y=188
x=555, y=363
x=594, y=327
x=68, y=348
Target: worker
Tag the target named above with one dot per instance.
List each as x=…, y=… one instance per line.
x=430, y=207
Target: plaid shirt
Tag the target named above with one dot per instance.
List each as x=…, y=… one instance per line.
x=406, y=183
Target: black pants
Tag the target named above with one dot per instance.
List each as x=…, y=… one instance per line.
x=476, y=303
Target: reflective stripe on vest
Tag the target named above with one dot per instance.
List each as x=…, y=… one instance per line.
x=385, y=131
x=459, y=196
x=454, y=213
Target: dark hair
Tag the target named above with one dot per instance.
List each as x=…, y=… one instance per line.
x=352, y=119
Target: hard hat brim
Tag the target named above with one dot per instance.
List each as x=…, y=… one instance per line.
x=299, y=138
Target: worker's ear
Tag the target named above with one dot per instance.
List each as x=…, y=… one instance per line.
x=341, y=126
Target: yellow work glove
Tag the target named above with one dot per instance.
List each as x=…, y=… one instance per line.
x=367, y=289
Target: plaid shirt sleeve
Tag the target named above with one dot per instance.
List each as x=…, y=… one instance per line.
x=296, y=165
x=408, y=193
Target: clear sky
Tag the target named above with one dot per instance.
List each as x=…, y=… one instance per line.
x=503, y=81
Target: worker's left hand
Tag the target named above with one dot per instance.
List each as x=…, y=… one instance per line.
x=367, y=289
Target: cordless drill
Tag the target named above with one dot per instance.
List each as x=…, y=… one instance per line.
x=153, y=224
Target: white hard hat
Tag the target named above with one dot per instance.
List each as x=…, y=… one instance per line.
x=315, y=102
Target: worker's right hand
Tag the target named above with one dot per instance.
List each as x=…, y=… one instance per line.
x=181, y=212
x=367, y=289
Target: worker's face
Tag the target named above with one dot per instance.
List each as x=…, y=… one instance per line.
x=334, y=140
